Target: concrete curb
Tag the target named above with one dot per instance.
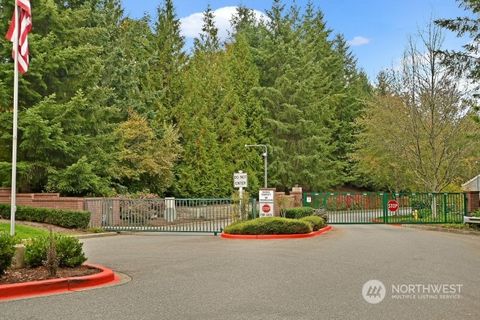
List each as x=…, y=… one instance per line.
x=95, y=235
x=440, y=229
x=276, y=236
x=61, y=285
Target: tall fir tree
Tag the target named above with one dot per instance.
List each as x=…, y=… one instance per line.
x=168, y=62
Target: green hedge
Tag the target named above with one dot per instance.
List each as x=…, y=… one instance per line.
x=7, y=250
x=316, y=222
x=69, y=251
x=62, y=218
x=297, y=213
x=272, y=225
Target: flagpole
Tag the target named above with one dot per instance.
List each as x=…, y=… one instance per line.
x=13, y=198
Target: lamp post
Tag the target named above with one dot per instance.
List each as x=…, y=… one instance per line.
x=265, y=155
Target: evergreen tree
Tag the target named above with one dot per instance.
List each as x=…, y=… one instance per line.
x=168, y=62
x=208, y=41
x=465, y=61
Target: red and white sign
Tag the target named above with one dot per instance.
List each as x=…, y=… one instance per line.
x=267, y=202
x=393, y=205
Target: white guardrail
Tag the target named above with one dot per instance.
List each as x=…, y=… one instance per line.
x=471, y=219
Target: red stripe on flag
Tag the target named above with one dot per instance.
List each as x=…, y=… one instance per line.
x=25, y=26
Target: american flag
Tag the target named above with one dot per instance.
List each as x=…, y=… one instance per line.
x=25, y=25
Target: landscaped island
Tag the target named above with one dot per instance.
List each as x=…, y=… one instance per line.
x=36, y=262
x=296, y=223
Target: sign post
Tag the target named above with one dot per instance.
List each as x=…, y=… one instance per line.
x=266, y=198
x=240, y=181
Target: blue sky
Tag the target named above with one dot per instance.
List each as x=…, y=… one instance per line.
x=378, y=29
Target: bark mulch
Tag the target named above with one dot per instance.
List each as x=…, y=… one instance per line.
x=41, y=273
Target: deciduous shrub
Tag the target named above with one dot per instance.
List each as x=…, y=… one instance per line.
x=272, y=225
x=297, y=213
x=69, y=251
x=316, y=222
x=62, y=218
x=322, y=214
x=7, y=250
x=36, y=252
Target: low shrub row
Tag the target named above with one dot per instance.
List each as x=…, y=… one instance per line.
x=69, y=251
x=316, y=222
x=297, y=213
x=270, y=225
x=62, y=218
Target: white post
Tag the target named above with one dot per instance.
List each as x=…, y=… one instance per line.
x=13, y=200
x=240, y=194
x=266, y=168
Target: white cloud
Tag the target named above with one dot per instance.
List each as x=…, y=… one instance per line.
x=358, y=41
x=191, y=26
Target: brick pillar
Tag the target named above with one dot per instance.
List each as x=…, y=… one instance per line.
x=473, y=201
x=279, y=202
x=116, y=212
x=297, y=194
x=94, y=206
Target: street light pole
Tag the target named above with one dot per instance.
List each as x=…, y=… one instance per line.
x=265, y=155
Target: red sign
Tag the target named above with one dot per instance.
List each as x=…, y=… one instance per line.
x=393, y=205
x=266, y=208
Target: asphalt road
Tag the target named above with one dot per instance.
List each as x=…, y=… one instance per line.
x=204, y=277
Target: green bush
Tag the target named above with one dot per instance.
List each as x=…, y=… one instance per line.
x=62, y=218
x=316, y=222
x=269, y=225
x=322, y=214
x=420, y=202
x=475, y=213
x=36, y=252
x=69, y=251
x=297, y=213
x=7, y=250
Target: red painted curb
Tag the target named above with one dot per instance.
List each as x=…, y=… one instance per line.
x=275, y=236
x=52, y=286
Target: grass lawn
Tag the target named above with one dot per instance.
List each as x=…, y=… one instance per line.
x=23, y=232
x=440, y=220
x=462, y=226
x=428, y=219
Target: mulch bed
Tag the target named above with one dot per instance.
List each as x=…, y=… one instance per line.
x=41, y=273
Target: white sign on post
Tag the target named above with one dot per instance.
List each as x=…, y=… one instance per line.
x=265, y=195
x=266, y=200
x=240, y=181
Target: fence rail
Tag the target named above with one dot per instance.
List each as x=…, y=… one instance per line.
x=373, y=207
x=167, y=215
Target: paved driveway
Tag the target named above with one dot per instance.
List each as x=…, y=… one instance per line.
x=204, y=277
